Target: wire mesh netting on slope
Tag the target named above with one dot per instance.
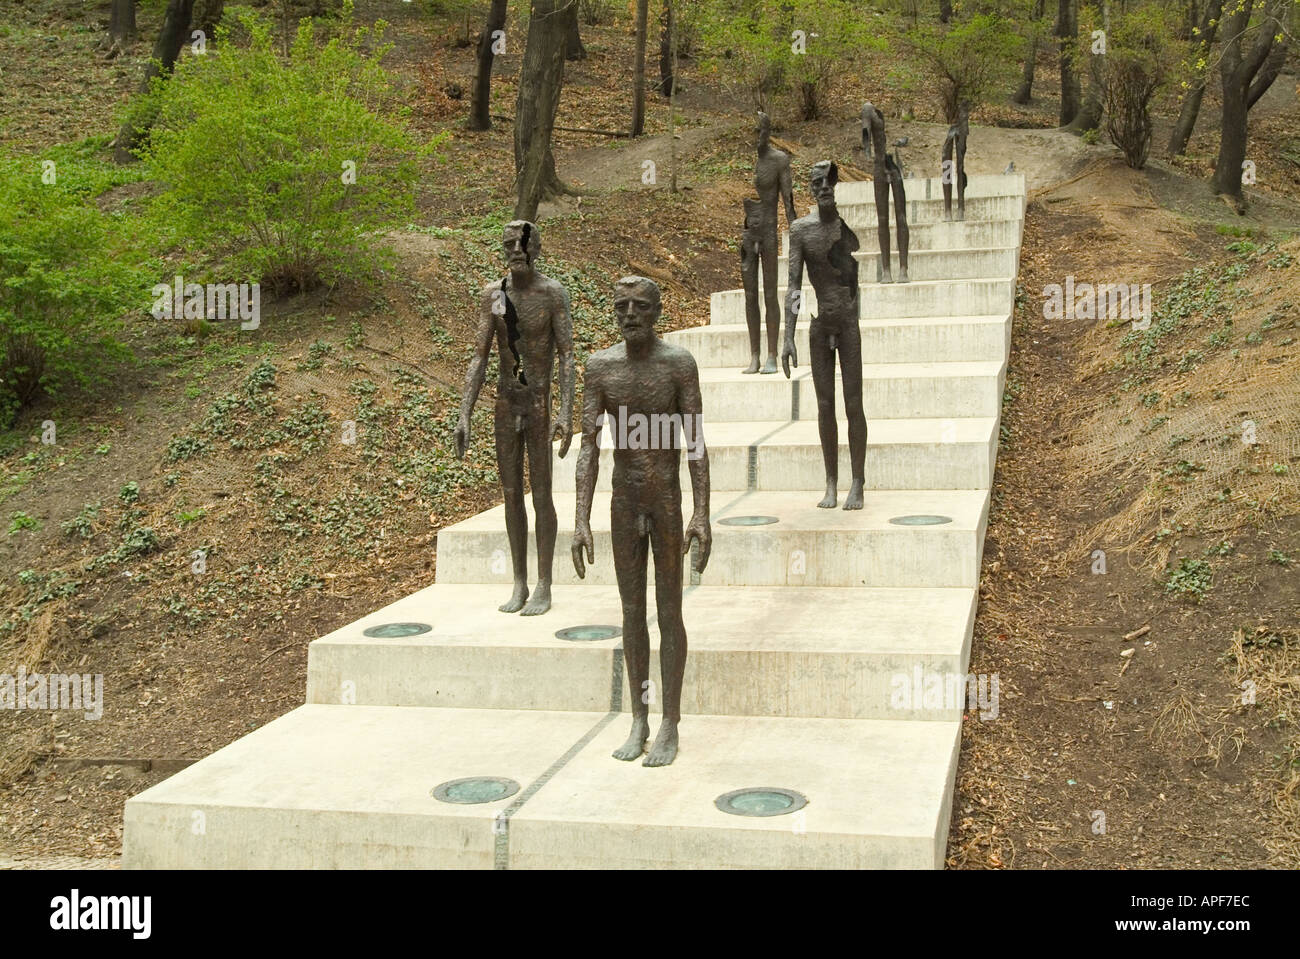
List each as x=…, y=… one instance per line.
x=1193, y=424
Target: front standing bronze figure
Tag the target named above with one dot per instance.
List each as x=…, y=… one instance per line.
x=653, y=387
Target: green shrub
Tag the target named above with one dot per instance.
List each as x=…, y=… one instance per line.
x=964, y=61
x=286, y=169
x=68, y=273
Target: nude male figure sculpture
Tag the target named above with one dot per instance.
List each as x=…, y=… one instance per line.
x=527, y=314
x=646, y=376
x=823, y=242
x=759, y=243
x=886, y=177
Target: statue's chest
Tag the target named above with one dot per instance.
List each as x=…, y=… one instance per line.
x=642, y=387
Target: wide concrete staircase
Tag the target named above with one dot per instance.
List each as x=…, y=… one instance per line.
x=825, y=645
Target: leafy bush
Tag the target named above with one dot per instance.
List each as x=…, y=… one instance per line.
x=288, y=168
x=68, y=273
x=965, y=61
x=1140, y=57
x=768, y=49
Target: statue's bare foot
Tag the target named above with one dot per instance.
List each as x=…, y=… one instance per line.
x=770, y=365
x=635, y=744
x=664, y=750
x=828, y=501
x=854, y=499
x=902, y=275
x=947, y=216
x=540, y=602
x=517, y=599
x=753, y=364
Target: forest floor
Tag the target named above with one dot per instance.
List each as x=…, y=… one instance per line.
x=1099, y=757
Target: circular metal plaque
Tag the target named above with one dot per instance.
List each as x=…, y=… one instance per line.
x=921, y=519
x=748, y=520
x=587, y=634
x=761, y=801
x=396, y=630
x=476, y=789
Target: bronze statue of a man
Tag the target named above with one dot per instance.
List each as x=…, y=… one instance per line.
x=759, y=243
x=645, y=381
x=527, y=313
x=824, y=243
x=954, y=168
x=886, y=176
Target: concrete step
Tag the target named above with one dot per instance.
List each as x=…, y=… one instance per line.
x=880, y=301
x=350, y=787
x=997, y=263
x=930, y=188
x=920, y=211
x=889, y=391
x=956, y=235
x=795, y=661
x=805, y=546
x=953, y=453
x=910, y=339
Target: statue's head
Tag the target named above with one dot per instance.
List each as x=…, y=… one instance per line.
x=763, y=128
x=869, y=116
x=637, y=305
x=821, y=183
x=521, y=242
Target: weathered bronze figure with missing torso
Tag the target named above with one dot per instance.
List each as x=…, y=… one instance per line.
x=527, y=314
x=823, y=242
x=645, y=376
x=759, y=244
x=954, y=168
x=886, y=177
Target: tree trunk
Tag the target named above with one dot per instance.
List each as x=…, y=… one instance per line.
x=638, y=68
x=666, y=49
x=121, y=23
x=1088, y=116
x=166, y=50
x=540, y=80
x=480, y=103
x=574, y=50
x=1067, y=29
x=206, y=16
x=1025, y=92
x=1182, y=132
x=1238, y=69
x=1268, y=73
x=945, y=11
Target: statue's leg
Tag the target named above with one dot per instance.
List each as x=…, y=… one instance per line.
x=666, y=541
x=849, y=345
x=948, y=173
x=510, y=464
x=961, y=179
x=822, y=360
x=900, y=216
x=630, y=537
x=749, y=277
x=771, y=305
x=538, y=433
x=881, y=186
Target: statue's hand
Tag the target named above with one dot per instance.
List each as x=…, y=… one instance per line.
x=461, y=437
x=581, y=541
x=789, y=357
x=564, y=433
x=698, y=529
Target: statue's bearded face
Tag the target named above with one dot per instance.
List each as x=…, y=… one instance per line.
x=637, y=308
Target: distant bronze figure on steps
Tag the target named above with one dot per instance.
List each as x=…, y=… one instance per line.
x=759, y=244
x=886, y=177
x=954, y=162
